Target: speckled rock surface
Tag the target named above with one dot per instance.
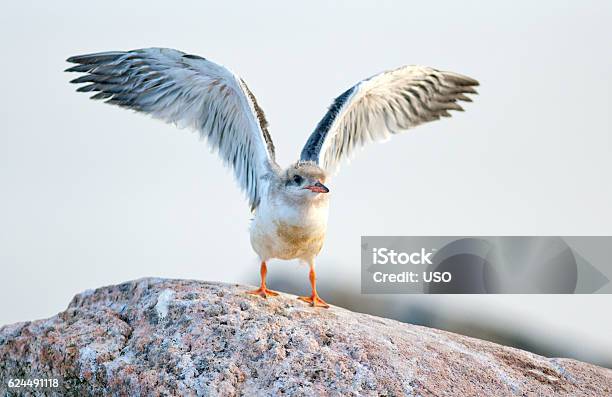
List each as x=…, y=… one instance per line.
x=176, y=337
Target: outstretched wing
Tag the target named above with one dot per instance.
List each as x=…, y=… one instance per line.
x=381, y=106
x=189, y=91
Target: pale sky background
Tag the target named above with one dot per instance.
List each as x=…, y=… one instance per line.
x=92, y=195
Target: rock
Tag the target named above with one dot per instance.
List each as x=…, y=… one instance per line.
x=176, y=337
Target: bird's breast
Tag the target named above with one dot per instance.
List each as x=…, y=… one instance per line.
x=296, y=235
x=287, y=233
x=297, y=241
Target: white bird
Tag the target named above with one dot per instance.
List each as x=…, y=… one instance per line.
x=290, y=205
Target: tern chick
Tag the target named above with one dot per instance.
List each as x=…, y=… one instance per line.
x=290, y=205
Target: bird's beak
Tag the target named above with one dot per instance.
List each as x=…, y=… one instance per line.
x=317, y=188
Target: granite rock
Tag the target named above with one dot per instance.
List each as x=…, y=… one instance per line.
x=162, y=337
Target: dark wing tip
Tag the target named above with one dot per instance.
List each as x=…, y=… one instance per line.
x=101, y=95
x=81, y=79
x=77, y=58
x=93, y=59
x=78, y=68
x=464, y=98
x=87, y=62
x=87, y=88
x=460, y=80
x=467, y=81
x=99, y=56
x=472, y=81
x=192, y=56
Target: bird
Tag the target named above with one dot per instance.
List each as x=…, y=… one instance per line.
x=290, y=206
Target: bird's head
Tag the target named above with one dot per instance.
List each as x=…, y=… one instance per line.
x=305, y=180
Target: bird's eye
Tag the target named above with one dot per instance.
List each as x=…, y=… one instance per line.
x=297, y=179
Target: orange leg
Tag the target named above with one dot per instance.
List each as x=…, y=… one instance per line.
x=263, y=291
x=313, y=299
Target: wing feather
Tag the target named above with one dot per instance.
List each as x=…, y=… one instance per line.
x=189, y=91
x=381, y=106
